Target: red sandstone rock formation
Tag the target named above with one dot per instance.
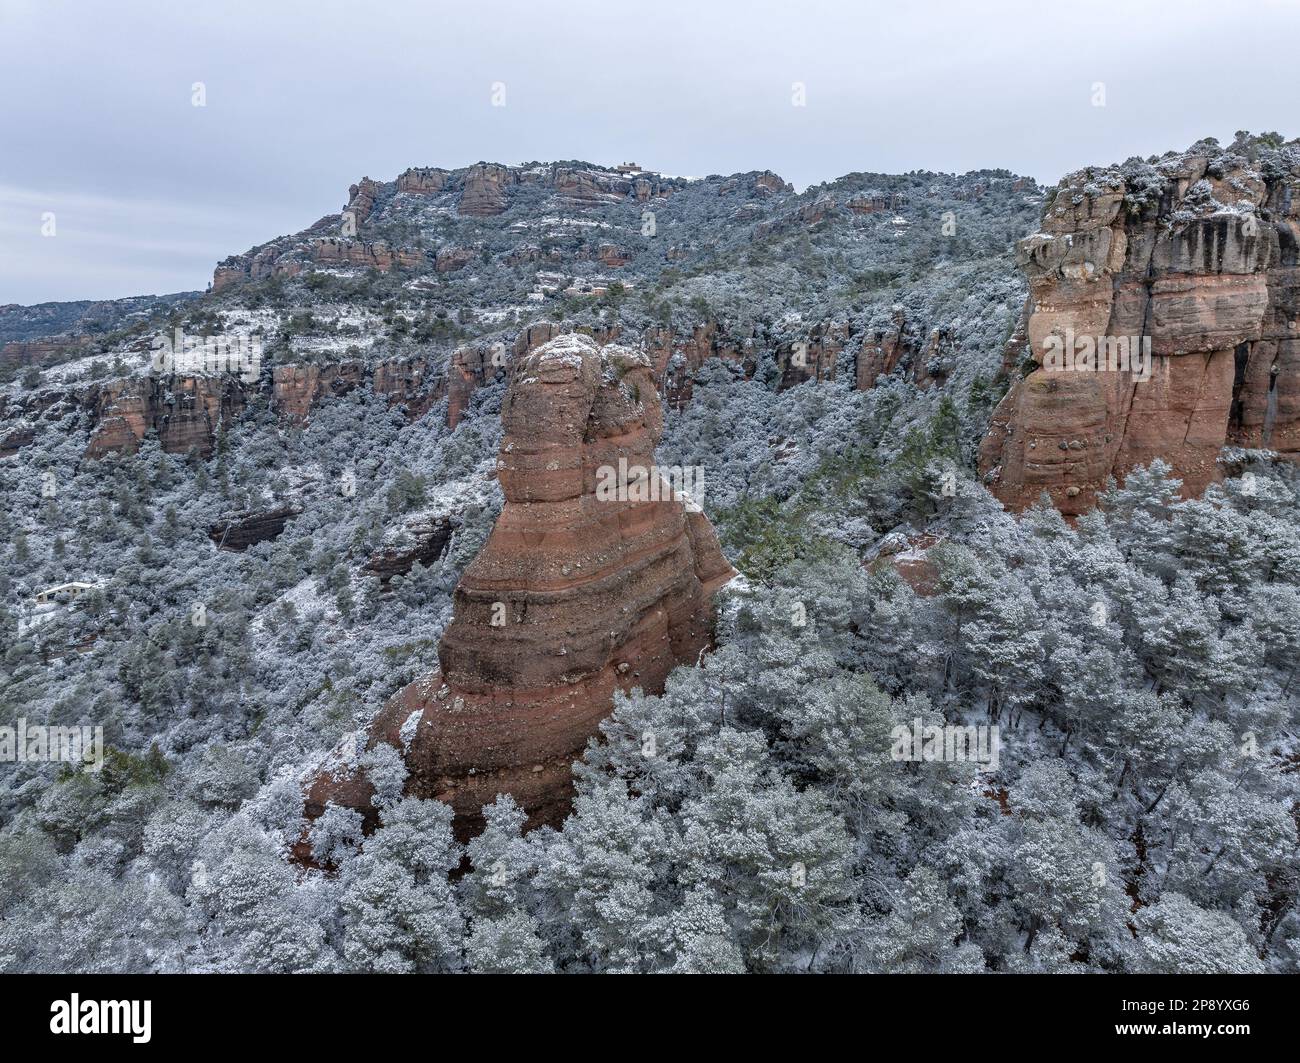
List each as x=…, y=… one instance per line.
x=585, y=188
x=408, y=383
x=361, y=199
x=1197, y=253
x=405, y=382
x=39, y=352
x=423, y=181
x=289, y=256
x=761, y=184
x=612, y=256
x=486, y=189
x=573, y=597
x=478, y=364
x=334, y=251
x=864, y=203
x=295, y=389
x=909, y=556
x=471, y=367
x=183, y=411
x=676, y=356
x=450, y=259
x=20, y=414
x=883, y=351
x=813, y=358
x=880, y=352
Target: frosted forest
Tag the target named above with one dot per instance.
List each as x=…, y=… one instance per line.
x=1136, y=660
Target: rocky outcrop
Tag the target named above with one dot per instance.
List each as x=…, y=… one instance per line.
x=575, y=595
x=612, y=256
x=334, y=251
x=584, y=187
x=186, y=411
x=421, y=538
x=409, y=383
x=295, y=389
x=406, y=382
x=677, y=356
x=813, y=358
x=361, y=198
x=756, y=183
x=422, y=181
x=471, y=367
x=450, y=259
x=881, y=351
x=45, y=351
x=909, y=555
x=13, y=439
x=1194, y=258
x=183, y=412
x=239, y=531
x=924, y=356
x=486, y=190
x=283, y=257
x=482, y=363
x=808, y=214
x=24, y=415
x=290, y=258
x=876, y=202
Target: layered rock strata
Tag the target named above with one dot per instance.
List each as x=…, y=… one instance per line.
x=1193, y=259
x=239, y=531
x=575, y=595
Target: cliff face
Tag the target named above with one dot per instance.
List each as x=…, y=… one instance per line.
x=183, y=411
x=677, y=354
x=483, y=190
x=239, y=531
x=486, y=187
x=466, y=237
x=1193, y=258
x=327, y=251
x=39, y=352
x=574, y=595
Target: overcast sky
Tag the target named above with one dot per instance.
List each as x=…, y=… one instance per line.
x=97, y=123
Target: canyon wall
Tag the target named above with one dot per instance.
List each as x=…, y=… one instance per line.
x=19, y=353
x=574, y=596
x=185, y=411
x=1194, y=257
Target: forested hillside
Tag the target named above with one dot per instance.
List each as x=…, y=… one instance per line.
x=262, y=582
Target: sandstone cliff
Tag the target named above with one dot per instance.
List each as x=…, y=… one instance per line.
x=183, y=412
x=1195, y=255
x=41, y=352
x=573, y=596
